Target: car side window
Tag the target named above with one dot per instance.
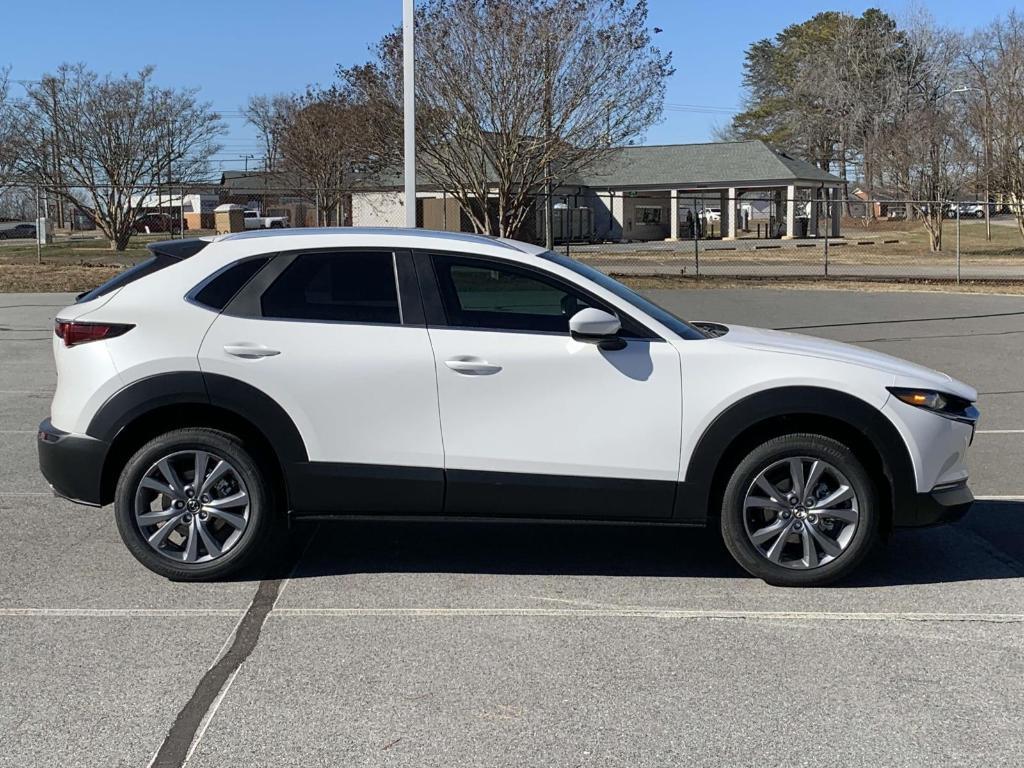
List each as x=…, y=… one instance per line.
x=222, y=287
x=347, y=286
x=477, y=293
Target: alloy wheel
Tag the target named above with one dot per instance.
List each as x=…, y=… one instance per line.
x=192, y=506
x=800, y=512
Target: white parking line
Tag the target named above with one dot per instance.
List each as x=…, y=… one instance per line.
x=651, y=613
x=1000, y=432
x=121, y=613
x=624, y=612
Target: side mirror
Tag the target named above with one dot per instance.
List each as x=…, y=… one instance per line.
x=596, y=327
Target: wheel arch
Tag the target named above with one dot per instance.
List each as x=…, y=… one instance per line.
x=763, y=415
x=157, y=404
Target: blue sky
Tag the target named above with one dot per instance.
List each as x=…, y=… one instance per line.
x=234, y=50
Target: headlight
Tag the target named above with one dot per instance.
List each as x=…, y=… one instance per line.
x=941, y=403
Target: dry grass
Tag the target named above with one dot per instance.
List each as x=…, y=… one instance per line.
x=992, y=287
x=67, y=265
x=68, y=252
x=51, y=278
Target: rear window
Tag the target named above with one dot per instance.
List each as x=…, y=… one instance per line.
x=147, y=267
x=164, y=254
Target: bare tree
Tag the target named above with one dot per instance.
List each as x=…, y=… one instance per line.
x=993, y=86
x=7, y=131
x=517, y=95
x=326, y=144
x=267, y=114
x=117, y=139
x=927, y=154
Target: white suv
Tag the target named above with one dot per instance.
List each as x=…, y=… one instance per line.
x=229, y=383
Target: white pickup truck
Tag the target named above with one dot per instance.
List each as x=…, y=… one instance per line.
x=253, y=220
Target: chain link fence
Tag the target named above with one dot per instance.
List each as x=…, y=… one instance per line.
x=775, y=237
x=677, y=234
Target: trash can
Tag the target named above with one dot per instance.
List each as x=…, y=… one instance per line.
x=800, y=228
x=229, y=217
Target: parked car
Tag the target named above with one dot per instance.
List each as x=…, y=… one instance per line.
x=158, y=222
x=711, y=214
x=974, y=210
x=228, y=384
x=18, y=231
x=253, y=220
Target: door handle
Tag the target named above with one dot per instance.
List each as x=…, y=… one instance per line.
x=472, y=366
x=250, y=351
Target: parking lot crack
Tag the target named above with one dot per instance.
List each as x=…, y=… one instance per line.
x=174, y=750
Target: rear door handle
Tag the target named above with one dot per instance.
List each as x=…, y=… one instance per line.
x=472, y=366
x=250, y=351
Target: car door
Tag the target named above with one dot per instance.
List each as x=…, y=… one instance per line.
x=328, y=337
x=535, y=423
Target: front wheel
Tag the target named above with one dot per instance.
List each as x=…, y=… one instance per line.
x=193, y=504
x=800, y=510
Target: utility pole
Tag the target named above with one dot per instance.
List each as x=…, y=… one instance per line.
x=549, y=210
x=170, y=199
x=51, y=85
x=985, y=127
x=409, y=107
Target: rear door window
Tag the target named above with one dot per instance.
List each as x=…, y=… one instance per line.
x=347, y=287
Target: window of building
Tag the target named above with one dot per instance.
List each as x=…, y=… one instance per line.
x=647, y=214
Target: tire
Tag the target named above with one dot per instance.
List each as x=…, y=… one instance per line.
x=817, y=543
x=203, y=544
x=980, y=214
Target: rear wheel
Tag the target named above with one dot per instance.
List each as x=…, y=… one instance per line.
x=800, y=510
x=193, y=504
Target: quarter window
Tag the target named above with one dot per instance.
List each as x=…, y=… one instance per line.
x=354, y=287
x=222, y=288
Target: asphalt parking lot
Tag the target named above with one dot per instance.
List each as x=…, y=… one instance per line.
x=486, y=645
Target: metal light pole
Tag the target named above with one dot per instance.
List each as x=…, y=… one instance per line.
x=987, y=151
x=409, y=108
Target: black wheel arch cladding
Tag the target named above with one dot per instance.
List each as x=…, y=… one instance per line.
x=181, y=388
x=800, y=403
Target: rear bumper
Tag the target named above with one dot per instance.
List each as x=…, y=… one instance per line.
x=72, y=464
x=944, y=504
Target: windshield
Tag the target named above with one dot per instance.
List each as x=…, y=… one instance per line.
x=676, y=324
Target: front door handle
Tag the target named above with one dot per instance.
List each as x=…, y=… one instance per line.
x=250, y=351
x=472, y=366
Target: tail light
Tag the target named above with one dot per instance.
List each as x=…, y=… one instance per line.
x=74, y=333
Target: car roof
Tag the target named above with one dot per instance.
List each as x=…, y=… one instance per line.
x=417, y=238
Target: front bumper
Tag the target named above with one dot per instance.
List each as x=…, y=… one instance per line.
x=943, y=504
x=72, y=464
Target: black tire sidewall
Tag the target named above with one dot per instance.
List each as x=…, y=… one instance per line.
x=815, y=446
x=224, y=445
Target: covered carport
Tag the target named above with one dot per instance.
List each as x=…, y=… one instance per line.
x=646, y=191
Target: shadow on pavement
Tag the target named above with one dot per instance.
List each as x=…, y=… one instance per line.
x=988, y=544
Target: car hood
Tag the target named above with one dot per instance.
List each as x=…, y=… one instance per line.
x=906, y=373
